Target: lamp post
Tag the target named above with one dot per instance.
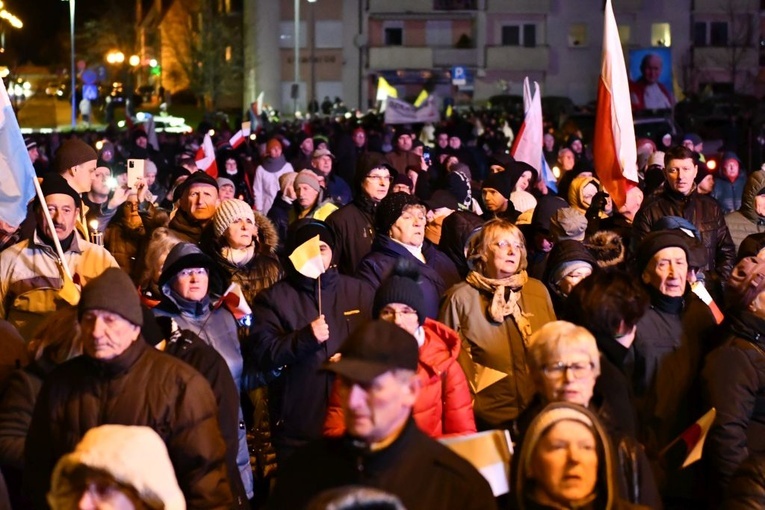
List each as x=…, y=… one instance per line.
x=74, y=79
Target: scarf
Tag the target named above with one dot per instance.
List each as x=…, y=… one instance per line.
x=501, y=306
x=273, y=165
x=239, y=258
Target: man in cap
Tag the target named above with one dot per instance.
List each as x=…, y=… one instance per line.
x=402, y=156
x=196, y=207
x=671, y=340
x=679, y=197
x=353, y=224
x=31, y=279
x=121, y=380
x=496, y=190
x=729, y=183
x=338, y=190
x=309, y=201
x=76, y=163
x=750, y=217
x=382, y=448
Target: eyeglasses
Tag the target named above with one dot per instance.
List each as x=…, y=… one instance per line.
x=504, y=244
x=196, y=271
x=389, y=313
x=379, y=178
x=558, y=370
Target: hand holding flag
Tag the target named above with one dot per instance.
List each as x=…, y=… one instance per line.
x=687, y=447
x=307, y=261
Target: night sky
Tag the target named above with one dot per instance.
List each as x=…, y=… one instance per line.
x=44, y=39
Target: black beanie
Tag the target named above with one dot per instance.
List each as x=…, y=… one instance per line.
x=402, y=286
x=501, y=182
x=390, y=208
x=112, y=291
x=308, y=228
x=55, y=184
x=74, y=152
x=656, y=241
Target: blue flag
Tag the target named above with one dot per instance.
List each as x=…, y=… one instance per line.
x=17, y=174
x=548, y=176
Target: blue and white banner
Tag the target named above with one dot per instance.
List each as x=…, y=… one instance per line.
x=16, y=171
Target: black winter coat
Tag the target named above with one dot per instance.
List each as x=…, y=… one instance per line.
x=734, y=383
x=142, y=386
x=747, y=487
x=282, y=339
x=353, y=226
x=421, y=472
x=704, y=212
x=438, y=273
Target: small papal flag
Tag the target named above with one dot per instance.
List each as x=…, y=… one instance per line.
x=489, y=452
x=307, y=258
x=687, y=447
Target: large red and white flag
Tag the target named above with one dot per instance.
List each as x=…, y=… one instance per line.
x=527, y=146
x=205, y=157
x=614, y=147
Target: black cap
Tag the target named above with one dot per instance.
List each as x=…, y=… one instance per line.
x=374, y=348
x=55, y=184
x=195, y=178
x=654, y=242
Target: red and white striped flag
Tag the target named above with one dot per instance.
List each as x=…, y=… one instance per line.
x=205, y=157
x=240, y=136
x=234, y=301
x=614, y=147
x=527, y=146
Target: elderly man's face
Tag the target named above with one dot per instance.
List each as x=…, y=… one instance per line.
x=568, y=376
x=106, y=335
x=226, y=192
x=200, y=201
x=680, y=174
x=63, y=211
x=652, y=69
x=323, y=164
x=667, y=271
x=375, y=411
x=306, y=195
x=731, y=169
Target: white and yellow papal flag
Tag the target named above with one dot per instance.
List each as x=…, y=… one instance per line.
x=307, y=258
x=489, y=452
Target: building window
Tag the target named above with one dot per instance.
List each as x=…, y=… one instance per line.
x=394, y=36
x=661, y=34
x=625, y=33
x=577, y=35
x=329, y=34
x=438, y=33
x=519, y=35
x=287, y=34
x=710, y=33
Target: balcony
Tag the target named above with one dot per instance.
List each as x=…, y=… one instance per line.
x=448, y=57
x=518, y=6
x=518, y=58
x=400, y=6
x=718, y=7
x=401, y=57
x=723, y=58
x=627, y=5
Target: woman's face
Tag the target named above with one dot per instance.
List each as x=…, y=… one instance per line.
x=564, y=464
x=523, y=181
x=587, y=193
x=240, y=233
x=409, y=228
x=191, y=283
x=567, y=376
x=571, y=280
x=504, y=256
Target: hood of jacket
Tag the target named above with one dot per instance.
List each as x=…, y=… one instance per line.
x=436, y=360
x=754, y=184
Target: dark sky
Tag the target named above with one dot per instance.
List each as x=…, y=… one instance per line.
x=44, y=37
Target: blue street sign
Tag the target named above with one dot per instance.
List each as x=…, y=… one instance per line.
x=459, y=75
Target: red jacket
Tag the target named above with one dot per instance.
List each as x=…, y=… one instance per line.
x=444, y=405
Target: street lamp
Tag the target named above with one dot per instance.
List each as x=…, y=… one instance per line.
x=71, y=44
x=115, y=57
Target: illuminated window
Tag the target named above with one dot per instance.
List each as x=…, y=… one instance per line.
x=577, y=35
x=661, y=34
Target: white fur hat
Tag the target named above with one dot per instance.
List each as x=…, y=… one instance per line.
x=228, y=212
x=134, y=456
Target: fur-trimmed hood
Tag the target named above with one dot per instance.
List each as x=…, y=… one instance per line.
x=267, y=235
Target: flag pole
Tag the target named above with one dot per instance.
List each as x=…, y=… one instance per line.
x=318, y=280
x=49, y=221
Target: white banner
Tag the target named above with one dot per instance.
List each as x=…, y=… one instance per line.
x=401, y=112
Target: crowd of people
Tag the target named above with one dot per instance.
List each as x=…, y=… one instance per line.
x=163, y=349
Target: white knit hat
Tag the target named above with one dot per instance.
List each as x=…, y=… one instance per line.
x=523, y=201
x=134, y=456
x=228, y=212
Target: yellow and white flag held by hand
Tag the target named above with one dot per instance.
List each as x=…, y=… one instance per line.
x=307, y=258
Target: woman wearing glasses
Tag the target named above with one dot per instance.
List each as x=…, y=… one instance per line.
x=495, y=311
x=565, y=363
x=443, y=404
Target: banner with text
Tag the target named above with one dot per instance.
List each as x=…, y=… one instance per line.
x=401, y=112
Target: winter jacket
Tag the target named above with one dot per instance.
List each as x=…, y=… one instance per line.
x=456, y=231
x=399, y=160
x=282, y=340
x=438, y=272
x=444, y=405
x=353, y=226
x=488, y=347
x=30, y=279
x=124, y=241
x=421, y=472
x=734, y=383
x=728, y=194
x=218, y=329
x=174, y=400
x=705, y=214
x=338, y=191
x=262, y=271
x=746, y=490
x=186, y=228
x=265, y=185
x=746, y=221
